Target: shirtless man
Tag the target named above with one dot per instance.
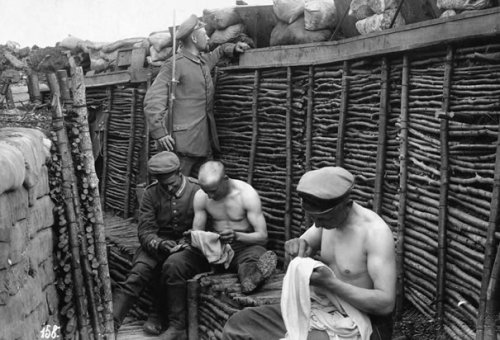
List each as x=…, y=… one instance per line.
x=353, y=241
x=236, y=212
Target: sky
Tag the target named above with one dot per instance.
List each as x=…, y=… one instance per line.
x=45, y=22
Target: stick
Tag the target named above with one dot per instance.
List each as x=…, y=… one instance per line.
x=403, y=185
x=130, y=152
x=289, y=153
x=443, y=197
x=255, y=126
x=382, y=131
x=343, y=115
x=78, y=89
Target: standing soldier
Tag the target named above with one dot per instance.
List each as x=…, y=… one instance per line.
x=192, y=134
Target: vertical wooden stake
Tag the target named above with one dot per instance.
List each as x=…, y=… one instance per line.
x=382, y=138
x=62, y=78
x=255, y=126
x=130, y=155
x=289, y=160
x=104, y=174
x=34, y=88
x=403, y=183
x=486, y=315
x=443, y=194
x=70, y=194
x=309, y=130
x=339, y=161
x=193, y=292
x=80, y=107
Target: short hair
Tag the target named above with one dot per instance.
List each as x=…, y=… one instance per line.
x=212, y=169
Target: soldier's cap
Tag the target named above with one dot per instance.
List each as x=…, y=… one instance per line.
x=322, y=189
x=189, y=25
x=163, y=163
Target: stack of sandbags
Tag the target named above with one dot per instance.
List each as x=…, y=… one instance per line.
x=102, y=55
x=303, y=21
x=224, y=25
x=160, y=47
x=375, y=15
x=454, y=7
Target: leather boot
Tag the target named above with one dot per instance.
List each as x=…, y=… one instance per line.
x=153, y=324
x=121, y=305
x=177, y=313
x=260, y=272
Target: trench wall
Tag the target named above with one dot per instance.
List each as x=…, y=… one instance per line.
x=28, y=296
x=420, y=133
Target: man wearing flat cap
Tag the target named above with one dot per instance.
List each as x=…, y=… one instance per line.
x=193, y=135
x=166, y=212
x=356, y=246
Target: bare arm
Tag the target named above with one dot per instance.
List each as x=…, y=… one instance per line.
x=256, y=219
x=381, y=266
x=200, y=214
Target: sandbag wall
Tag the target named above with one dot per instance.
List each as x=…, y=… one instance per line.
x=419, y=131
x=122, y=140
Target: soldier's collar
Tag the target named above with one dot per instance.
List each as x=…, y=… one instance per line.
x=179, y=192
x=192, y=57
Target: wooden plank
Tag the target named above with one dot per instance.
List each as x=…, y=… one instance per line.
x=106, y=79
x=289, y=153
x=423, y=34
x=344, y=98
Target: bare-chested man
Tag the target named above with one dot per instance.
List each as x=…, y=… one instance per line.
x=235, y=209
x=353, y=241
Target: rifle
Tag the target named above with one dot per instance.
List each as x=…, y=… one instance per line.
x=173, y=85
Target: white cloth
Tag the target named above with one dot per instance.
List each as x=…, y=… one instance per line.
x=211, y=246
x=331, y=313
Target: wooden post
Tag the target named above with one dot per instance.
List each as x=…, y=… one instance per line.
x=104, y=173
x=309, y=118
x=382, y=138
x=255, y=126
x=62, y=78
x=34, y=88
x=193, y=292
x=80, y=107
x=344, y=97
x=130, y=155
x=289, y=161
x=147, y=137
x=403, y=183
x=443, y=194
x=492, y=297
x=68, y=191
x=486, y=321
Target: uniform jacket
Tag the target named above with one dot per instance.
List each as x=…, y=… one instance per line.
x=194, y=128
x=165, y=217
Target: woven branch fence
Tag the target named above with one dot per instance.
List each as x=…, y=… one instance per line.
x=421, y=134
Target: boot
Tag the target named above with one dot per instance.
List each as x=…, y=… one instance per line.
x=121, y=305
x=176, y=308
x=262, y=271
x=153, y=324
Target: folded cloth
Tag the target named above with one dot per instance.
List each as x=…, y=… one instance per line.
x=332, y=314
x=211, y=246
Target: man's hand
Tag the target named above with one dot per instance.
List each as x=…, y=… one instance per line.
x=165, y=143
x=227, y=236
x=297, y=247
x=166, y=246
x=241, y=47
x=321, y=277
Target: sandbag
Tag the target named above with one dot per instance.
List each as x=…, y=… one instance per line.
x=220, y=37
x=221, y=18
x=12, y=170
x=160, y=40
x=362, y=9
x=34, y=147
x=320, y=14
x=161, y=55
x=379, y=22
x=124, y=43
x=288, y=10
x=70, y=42
x=463, y=4
x=295, y=33
x=448, y=13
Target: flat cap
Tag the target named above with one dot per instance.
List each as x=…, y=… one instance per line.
x=324, y=188
x=164, y=162
x=188, y=26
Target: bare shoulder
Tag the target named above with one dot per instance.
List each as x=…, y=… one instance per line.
x=200, y=198
x=374, y=226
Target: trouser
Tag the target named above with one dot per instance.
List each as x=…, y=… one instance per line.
x=189, y=166
x=245, y=259
x=266, y=322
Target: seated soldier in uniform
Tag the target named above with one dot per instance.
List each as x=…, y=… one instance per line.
x=235, y=210
x=166, y=212
x=354, y=242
